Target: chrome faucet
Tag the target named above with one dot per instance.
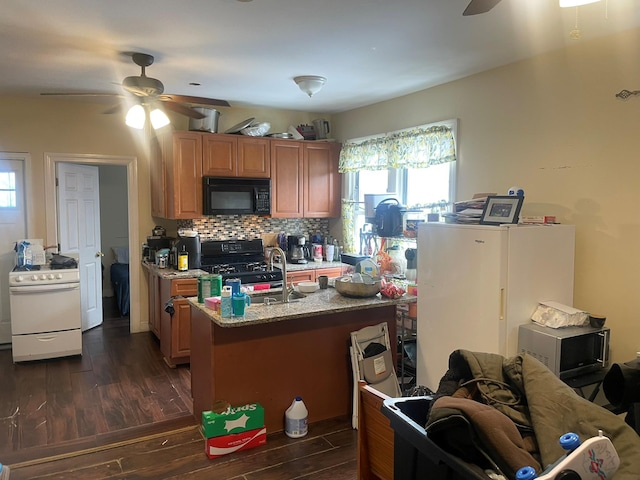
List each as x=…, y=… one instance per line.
x=283, y=262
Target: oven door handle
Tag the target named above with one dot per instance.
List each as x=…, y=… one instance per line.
x=31, y=289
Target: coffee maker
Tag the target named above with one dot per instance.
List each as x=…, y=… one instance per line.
x=191, y=245
x=298, y=250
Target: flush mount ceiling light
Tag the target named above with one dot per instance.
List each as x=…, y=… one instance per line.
x=136, y=118
x=310, y=84
x=575, y=3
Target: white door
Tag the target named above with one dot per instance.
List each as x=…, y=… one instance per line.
x=13, y=227
x=79, y=227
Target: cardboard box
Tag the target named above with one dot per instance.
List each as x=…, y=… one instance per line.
x=219, y=446
x=537, y=219
x=235, y=420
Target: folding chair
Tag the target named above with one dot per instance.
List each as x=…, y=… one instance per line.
x=372, y=362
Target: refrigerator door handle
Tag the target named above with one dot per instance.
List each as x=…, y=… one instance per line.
x=502, y=304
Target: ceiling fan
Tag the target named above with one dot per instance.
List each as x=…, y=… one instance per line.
x=149, y=90
x=476, y=7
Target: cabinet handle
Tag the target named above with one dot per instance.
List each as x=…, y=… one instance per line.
x=502, y=304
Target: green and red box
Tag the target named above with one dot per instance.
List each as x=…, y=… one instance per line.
x=234, y=420
x=224, y=445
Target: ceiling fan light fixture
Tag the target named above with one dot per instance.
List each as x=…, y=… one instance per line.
x=135, y=117
x=575, y=3
x=310, y=84
x=159, y=119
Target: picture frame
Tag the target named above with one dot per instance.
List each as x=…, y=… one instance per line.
x=501, y=209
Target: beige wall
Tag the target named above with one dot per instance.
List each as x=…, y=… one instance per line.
x=553, y=126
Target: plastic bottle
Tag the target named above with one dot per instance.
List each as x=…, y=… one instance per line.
x=295, y=419
x=225, y=302
x=4, y=472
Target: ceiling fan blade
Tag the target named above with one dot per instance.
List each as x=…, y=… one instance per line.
x=71, y=94
x=476, y=7
x=195, y=100
x=181, y=109
x=117, y=108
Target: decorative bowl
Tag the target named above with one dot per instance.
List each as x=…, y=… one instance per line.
x=307, y=287
x=347, y=288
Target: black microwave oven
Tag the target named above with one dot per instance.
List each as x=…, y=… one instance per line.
x=236, y=196
x=568, y=351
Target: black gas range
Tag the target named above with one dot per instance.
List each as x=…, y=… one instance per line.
x=243, y=259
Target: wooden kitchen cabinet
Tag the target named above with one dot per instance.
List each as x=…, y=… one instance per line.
x=312, y=275
x=286, y=179
x=322, y=182
x=329, y=272
x=301, y=276
x=235, y=156
x=179, y=177
x=305, y=182
x=175, y=330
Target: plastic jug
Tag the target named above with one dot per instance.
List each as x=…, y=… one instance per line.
x=295, y=419
x=4, y=472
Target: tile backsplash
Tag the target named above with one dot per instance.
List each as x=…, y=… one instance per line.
x=223, y=227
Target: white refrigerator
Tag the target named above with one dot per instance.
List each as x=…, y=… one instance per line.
x=478, y=283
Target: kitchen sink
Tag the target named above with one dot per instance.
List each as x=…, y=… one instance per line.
x=274, y=298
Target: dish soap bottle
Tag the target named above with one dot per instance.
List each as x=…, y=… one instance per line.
x=295, y=419
x=225, y=302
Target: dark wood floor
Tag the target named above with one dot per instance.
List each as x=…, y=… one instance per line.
x=120, y=412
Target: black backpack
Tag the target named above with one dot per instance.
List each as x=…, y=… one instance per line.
x=389, y=220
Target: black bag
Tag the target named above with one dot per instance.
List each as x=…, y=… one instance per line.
x=390, y=218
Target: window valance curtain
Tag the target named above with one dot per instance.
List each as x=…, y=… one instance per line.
x=413, y=148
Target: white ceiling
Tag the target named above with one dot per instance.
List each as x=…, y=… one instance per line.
x=248, y=52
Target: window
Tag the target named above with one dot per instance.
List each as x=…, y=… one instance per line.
x=421, y=174
x=8, y=190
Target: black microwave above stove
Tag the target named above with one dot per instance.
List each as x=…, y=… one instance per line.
x=236, y=196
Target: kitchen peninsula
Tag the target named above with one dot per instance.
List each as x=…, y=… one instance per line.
x=276, y=352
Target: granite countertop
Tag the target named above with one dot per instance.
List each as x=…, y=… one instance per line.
x=311, y=265
x=321, y=302
x=172, y=273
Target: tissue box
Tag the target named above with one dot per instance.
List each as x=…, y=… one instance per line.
x=218, y=446
x=235, y=420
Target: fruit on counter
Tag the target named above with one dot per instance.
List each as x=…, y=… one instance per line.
x=391, y=290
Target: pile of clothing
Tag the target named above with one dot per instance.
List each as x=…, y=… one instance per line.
x=503, y=414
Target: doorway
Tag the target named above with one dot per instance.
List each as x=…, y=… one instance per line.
x=13, y=226
x=51, y=161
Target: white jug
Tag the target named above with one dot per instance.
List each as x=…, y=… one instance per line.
x=321, y=127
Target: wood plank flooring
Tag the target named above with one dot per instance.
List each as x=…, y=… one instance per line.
x=120, y=412
x=119, y=382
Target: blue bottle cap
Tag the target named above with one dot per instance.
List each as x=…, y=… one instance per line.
x=526, y=473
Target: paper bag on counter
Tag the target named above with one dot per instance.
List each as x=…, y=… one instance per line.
x=557, y=315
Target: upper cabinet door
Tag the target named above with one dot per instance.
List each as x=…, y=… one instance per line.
x=254, y=157
x=219, y=155
x=286, y=179
x=185, y=187
x=322, y=182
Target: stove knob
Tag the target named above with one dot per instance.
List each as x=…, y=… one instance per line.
x=19, y=278
x=58, y=276
x=50, y=276
x=34, y=277
x=43, y=277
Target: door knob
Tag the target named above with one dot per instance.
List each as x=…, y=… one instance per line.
x=99, y=254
